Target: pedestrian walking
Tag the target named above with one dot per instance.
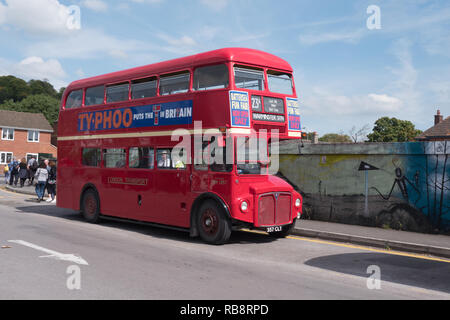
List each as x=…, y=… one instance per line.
x=51, y=182
x=41, y=177
x=6, y=172
x=23, y=172
x=32, y=167
x=14, y=172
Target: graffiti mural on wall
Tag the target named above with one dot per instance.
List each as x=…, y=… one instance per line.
x=437, y=186
x=409, y=190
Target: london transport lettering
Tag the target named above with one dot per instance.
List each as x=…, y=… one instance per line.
x=239, y=109
x=293, y=112
x=164, y=114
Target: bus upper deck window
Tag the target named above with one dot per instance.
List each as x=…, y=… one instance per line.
x=174, y=83
x=279, y=82
x=75, y=99
x=95, y=95
x=211, y=77
x=117, y=92
x=247, y=78
x=144, y=88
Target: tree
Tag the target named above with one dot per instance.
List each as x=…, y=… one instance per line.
x=60, y=93
x=393, y=130
x=335, y=138
x=358, y=134
x=12, y=88
x=15, y=89
x=42, y=87
x=41, y=103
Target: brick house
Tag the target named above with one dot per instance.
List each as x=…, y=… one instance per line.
x=440, y=131
x=24, y=135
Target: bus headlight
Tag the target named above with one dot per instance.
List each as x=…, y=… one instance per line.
x=298, y=203
x=244, y=206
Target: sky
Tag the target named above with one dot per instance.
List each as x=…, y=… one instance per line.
x=353, y=61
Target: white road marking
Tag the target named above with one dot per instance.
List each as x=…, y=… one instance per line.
x=52, y=254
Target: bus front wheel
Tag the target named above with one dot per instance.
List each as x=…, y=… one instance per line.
x=90, y=206
x=213, y=225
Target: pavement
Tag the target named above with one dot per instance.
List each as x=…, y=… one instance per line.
x=420, y=243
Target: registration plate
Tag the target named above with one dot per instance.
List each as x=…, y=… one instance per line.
x=274, y=229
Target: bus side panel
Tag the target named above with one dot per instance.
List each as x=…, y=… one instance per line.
x=66, y=178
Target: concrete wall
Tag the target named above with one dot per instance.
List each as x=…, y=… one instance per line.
x=408, y=188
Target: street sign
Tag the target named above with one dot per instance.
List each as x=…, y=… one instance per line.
x=364, y=166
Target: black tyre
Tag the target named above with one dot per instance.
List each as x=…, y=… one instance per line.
x=213, y=225
x=90, y=206
x=286, y=230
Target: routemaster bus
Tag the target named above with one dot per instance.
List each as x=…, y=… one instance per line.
x=116, y=144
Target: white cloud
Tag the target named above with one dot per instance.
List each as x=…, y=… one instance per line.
x=37, y=16
x=182, y=41
x=331, y=104
x=95, y=5
x=87, y=44
x=80, y=73
x=36, y=68
x=2, y=14
x=405, y=76
x=344, y=36
x=180, y=46
x=147, y=1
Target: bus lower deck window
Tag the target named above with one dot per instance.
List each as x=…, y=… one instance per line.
x=91, y=157
x=141, y=158
x=164, y=159
x=114, y=158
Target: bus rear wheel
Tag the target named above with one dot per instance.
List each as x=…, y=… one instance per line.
x=213, y=225
x=90, y=206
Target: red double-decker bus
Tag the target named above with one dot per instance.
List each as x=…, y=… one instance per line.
x=116, y=145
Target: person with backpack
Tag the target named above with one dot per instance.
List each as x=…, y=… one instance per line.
x=41, y=177
x=14, y=172
x=32, y=167
x=23, y=172
x=51, y=182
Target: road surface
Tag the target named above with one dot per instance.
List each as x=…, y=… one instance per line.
x=40, y=245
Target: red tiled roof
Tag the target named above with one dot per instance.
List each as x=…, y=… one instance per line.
x=24, y=120
x=441, y=130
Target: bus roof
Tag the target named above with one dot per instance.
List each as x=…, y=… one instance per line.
x=239, y=55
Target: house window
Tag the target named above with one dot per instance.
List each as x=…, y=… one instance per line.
x=7, y=134
x=6, y=157
x=33, y=136
x=32, y=155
